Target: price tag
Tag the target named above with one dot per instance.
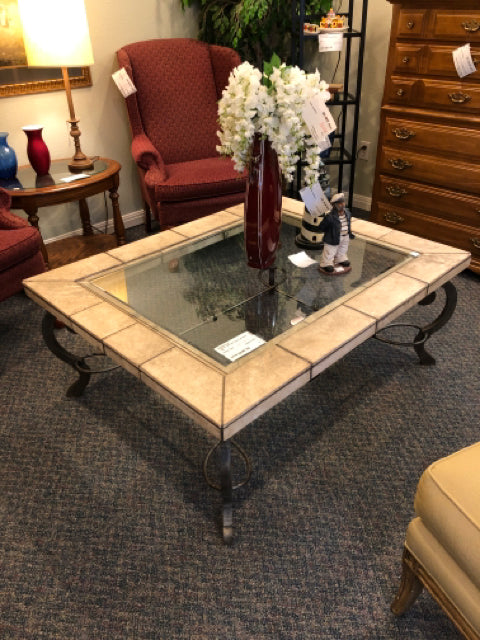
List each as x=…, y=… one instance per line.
x=330, y=42
x=301, y=260
x=123, y=82
x=315, y=200
x=239, y=346
x=318, y=119
x=462, y=58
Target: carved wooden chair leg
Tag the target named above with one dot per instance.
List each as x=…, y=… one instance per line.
x=410, y=587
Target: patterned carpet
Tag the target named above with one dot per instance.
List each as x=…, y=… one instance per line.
x=108, y=530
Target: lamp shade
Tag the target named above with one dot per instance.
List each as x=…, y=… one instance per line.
x=55, y=33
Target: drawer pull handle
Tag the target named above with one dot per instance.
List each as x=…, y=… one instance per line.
x=471, y=26
x=459, y=97
x=406, y=60
x=395, y=191
x=403, y=134
x=476, y=242
x=394, y=218
x=398, y=163
x=410, y=24
x=401, y=92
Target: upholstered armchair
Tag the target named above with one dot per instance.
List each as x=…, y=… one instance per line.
x=20, y=255
x=173, y=119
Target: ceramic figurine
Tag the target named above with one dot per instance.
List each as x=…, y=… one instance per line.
x=336, y=226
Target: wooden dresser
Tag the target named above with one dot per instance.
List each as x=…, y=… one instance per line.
x=427, y=179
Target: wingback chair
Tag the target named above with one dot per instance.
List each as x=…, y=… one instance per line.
x=173, y=119
x=20, y=254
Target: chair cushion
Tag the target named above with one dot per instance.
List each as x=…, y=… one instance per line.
x=448, y=502
x=177, y=96
x=205, y=178
x=17, y=245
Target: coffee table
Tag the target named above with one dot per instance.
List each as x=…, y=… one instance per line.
x=182, y=312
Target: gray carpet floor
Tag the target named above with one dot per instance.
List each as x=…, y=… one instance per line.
x=108, y=530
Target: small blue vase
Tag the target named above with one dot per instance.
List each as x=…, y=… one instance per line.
x=8, y=159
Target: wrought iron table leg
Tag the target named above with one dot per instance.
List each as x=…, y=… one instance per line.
x=224, y=451
x=227, y=491
x=80, y=366
x=445, y=315
x=428, y=330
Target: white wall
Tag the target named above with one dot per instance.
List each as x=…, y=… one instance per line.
x=100, y=108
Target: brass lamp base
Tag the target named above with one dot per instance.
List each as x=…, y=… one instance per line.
x=78, y=165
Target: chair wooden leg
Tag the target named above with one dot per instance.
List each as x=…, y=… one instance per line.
x=148, y=219
x=410, y=586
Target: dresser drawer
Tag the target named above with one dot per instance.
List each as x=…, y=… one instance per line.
x=408, y=58
x=463, y=26
x=424, y=136
x=449, y=205
x=411, y=23
x=402, y=91
x=438, y=61
x=460, y=97
x=426, y=226
x=430, y=169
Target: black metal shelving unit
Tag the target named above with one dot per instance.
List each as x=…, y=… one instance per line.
x=344, y=150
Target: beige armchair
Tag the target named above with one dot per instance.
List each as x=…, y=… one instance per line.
x=442, y=545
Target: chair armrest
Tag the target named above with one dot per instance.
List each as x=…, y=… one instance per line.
x=10, y=221
x=147, y=156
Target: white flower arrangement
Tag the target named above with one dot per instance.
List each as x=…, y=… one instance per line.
x=270, y=104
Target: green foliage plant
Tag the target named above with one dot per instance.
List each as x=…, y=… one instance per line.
x=254, y=28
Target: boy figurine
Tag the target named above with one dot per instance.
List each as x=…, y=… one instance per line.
x=336, y=226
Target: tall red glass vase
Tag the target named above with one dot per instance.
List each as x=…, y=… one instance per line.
x=37, y=150
x=263, y=205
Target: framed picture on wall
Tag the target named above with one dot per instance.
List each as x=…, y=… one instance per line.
x=16, y=78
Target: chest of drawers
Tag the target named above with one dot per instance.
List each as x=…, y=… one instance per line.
x=427, y=179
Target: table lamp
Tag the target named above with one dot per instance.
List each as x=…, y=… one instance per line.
x=55, y=34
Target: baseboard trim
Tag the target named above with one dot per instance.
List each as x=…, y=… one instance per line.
x=131, y=219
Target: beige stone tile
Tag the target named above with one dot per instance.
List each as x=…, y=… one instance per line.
x=100, y=321
x=190, y=380
x=146, y=246
x=48, y=307
x=317, y=340
x=435, y=269
x=273, y=371
x=79, y=269
x=415, y=243
x=389, y=297
x=294, y=207
x=237, y=210
x=369, y=229
x=207, y=224
x=133, y=346
x=67, y=297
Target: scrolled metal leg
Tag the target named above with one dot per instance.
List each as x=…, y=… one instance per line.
x=424, y=333
x=78, y=387
x=78, y=363
x=227, y=491
x=226, y=486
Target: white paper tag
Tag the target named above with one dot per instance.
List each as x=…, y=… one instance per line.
x=462, y=59
x=325, y=144
x=239, y=345
x=301, y=259
x=318, y=119
x=123, y=82
x=330, y=42
x=298, y=317
x=315, y=200
x=77, y=176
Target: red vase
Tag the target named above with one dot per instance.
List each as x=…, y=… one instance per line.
x=263, y=205
x=37, y=150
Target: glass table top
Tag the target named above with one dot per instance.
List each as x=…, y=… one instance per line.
x=26, y=177
x=206, y=295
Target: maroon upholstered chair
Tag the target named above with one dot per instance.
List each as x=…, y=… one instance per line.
x=20, y=255
x=173, y=118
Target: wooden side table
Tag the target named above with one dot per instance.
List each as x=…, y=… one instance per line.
x=31, y=192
